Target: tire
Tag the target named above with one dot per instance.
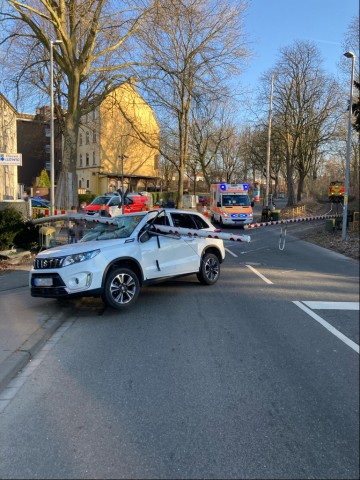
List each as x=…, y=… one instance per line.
x=209, y=271
x=121, y=288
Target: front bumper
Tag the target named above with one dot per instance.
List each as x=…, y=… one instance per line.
x=237, y=221
x=64, y=282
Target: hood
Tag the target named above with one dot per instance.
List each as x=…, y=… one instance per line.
x=80, y=247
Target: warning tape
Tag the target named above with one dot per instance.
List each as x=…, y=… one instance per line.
x=292, y=220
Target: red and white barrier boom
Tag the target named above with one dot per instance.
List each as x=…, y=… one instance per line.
x=204, y=233
x=293, y=220
x=160, y=228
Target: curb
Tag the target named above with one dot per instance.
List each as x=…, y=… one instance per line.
x=20, y=357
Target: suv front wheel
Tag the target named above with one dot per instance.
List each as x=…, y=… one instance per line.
x=121, y=288
x=209, y=271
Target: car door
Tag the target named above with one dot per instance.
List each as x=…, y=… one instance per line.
x=114, y=205
x=165, y=254
x=189, y=260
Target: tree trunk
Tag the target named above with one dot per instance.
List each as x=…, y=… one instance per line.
x=67, y=188
x=290, y=184
x=300, y=188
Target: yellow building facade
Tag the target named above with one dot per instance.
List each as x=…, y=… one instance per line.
x=9, y=188
x=119, y=141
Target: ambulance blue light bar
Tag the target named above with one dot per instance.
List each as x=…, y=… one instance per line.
x=222, y=186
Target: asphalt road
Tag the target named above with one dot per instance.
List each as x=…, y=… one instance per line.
x=244, y=379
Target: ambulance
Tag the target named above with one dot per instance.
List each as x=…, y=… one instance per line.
x=230, y=204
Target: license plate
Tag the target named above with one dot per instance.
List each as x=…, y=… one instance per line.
x=43, y=282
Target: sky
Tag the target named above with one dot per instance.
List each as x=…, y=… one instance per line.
x=273, y=24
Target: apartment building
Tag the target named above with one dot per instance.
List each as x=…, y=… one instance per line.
x=119, y=140
x=33, y=142
x=8, y=173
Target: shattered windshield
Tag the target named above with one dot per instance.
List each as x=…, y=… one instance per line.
x=121, y=227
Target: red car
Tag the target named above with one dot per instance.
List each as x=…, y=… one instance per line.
x=112, y=203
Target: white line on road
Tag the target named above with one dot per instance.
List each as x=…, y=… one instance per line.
x=260, y=275
x=255, y=250
x=231, y=253
x=333, y=305
x=329, y=327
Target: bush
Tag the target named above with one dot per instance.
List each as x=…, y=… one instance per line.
x=28, y=237
x=11, y=223
x=86, y=197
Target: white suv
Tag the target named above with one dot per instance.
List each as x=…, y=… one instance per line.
x=115, y=258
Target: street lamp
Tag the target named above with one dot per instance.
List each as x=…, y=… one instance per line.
x=348, y=147
x=52, y=167
x=122, y=156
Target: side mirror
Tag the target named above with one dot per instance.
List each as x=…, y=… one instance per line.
x=144, y=237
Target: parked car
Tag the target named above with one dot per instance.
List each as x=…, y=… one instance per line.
x=203, y=200
x=116, y=258
x=112, y=203
x=39, y=202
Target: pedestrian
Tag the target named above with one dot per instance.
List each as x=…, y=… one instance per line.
x=170, y=203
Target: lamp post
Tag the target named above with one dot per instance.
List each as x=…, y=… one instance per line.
x=52, y=167
x=122, y=156
x=348, y=148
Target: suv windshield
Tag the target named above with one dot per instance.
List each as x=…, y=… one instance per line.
x=236, y=201
x=122, y=227
x=102, y=200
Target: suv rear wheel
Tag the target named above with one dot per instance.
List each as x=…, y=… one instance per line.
x=121, y=288
x=209, y=269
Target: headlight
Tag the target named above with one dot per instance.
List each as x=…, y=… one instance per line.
x=79, y=257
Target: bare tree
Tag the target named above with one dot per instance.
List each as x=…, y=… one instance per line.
x=306, y=106
x=208, y=130
x=192, y=46
x=93, y=59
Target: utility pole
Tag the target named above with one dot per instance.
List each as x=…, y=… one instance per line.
x=348, y=148
x=268, y=145
x=52, y=154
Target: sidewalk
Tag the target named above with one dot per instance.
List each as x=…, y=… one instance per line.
x=25, y=322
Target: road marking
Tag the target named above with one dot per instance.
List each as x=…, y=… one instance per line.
x=231, y=253
x=255, y=250
x=332, y=305
x=329, y=327
x=266, y=280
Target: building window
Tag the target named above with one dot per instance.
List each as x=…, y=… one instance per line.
x=94, y=158
x=87, y=184
x=80, y=139
x=94, y=114
x=87, y=138
x=81, y=160
x=87, y=160
x=80, y=184
x=87, y=118
x=94, y=136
